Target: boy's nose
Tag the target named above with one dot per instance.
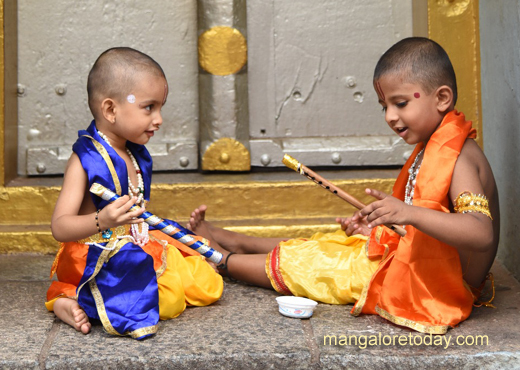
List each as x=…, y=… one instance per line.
x=158, y=120
x=390, y=116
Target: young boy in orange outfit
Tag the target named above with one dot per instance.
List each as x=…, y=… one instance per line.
x=445, y=196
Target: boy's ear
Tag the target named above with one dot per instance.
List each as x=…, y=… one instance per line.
x=444, y=98
x=108, y=109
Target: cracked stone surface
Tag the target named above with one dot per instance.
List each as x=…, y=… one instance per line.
x=245, y=331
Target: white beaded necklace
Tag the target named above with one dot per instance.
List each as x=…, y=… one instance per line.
x=141, y=236
x=138, y=192
x=140, y=184
x=412, y=175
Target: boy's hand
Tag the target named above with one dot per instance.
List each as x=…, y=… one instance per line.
x=356, y=224
x=116, y=213
x=386, y=210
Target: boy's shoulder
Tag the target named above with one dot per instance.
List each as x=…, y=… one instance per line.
x=472, y=171
x=472, y=153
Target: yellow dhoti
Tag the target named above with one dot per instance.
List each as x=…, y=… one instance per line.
x=184, y=276
x=330, y=268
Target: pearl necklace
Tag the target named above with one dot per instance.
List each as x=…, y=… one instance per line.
x=140, y=236
x=140, y=184
x=412, y=175
x=132, y=190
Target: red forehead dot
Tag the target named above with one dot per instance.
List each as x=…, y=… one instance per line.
x=417, y=95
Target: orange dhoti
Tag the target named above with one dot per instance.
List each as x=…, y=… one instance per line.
x=419, y=284
x=183, y=276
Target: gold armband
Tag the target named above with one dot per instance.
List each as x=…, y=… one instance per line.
x=469, y=202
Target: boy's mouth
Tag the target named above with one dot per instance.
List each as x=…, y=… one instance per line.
x=401, y=130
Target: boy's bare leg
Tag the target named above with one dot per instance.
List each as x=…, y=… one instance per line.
x=69, y=311
x=229, y=240
x=249, y=268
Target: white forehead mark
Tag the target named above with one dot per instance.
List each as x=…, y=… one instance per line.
x=131, y=98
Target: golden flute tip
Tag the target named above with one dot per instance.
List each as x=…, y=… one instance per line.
x=97, y=189
x=291, y=162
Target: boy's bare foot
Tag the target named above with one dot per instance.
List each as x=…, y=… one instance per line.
x=227, y=240
x=69, y=311
x=198, y=224
x=197, y=217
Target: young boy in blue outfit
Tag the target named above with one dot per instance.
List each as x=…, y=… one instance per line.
x=111, y=266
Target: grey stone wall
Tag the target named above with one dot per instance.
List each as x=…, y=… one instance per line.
x=306, y=90
x=58, y=42
x=500, y=70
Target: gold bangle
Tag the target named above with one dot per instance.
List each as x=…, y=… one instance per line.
x=469, y=202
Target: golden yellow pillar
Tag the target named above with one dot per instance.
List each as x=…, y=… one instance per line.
x=455, y=25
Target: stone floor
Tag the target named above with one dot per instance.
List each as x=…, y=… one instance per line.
x=245, y=331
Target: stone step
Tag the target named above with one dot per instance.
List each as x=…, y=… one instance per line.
x=270, y=204
x=245, y=331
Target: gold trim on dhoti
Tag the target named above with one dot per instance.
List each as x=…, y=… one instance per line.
x=98, y=298
x=272, y=268
x=107, y=325
x=100, y=306
x=428, y=329
x=118, y=231
x=101, y=260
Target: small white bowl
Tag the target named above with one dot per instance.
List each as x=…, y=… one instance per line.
x=298, y=307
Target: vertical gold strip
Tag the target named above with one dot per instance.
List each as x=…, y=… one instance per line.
x=2, y=96
x=455, y=25
x=100, y=305
x=103, y=152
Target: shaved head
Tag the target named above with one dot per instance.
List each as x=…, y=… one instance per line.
x=418, y=60
x=115, y=73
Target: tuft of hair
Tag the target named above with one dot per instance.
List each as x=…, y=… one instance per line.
x=418, y=60
x=115, y=73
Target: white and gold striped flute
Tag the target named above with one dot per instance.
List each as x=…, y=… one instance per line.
x=178, y=233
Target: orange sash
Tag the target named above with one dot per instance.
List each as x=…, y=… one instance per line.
x=419, y=283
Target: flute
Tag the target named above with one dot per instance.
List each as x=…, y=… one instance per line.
x=178, y=233
x=311, y=175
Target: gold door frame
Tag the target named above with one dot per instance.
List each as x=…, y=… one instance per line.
x=25, y=211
